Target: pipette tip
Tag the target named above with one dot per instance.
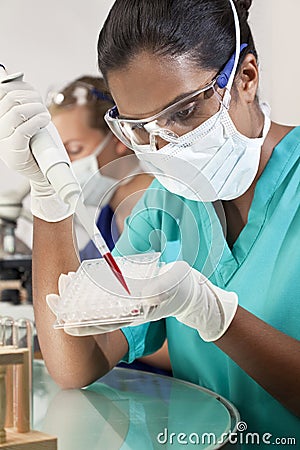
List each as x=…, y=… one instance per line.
x=116, y=270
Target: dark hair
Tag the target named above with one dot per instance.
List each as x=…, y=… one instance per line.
x=98, y=100
x=202, y=29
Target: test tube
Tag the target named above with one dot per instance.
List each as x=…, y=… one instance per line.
x=23, y=337
x=7, y=330
x=6, y=381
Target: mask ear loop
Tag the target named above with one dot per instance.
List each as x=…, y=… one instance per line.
x=227, y=96
x=103, y=144
x=222, y=80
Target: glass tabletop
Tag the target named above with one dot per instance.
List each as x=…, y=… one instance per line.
x=131, y=409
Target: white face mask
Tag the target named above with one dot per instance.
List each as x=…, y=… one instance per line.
x=97, y=188
x=212, y=162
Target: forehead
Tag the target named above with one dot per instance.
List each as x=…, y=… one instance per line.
x=73, y=122
x=150, y=82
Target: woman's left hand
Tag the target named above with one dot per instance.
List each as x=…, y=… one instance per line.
x=178, y=291
x=189, y=296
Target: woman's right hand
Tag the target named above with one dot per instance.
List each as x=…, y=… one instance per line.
x=22, y=115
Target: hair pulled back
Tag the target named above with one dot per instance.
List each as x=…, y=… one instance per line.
x=203, y=30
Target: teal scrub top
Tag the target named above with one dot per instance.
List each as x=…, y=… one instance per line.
x=263, y=268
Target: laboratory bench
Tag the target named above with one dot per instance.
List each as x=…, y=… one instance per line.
x=131, y=409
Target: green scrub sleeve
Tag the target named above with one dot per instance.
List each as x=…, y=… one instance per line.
x=144, y=339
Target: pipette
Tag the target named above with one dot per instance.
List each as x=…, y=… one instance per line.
x=55, y=165
x=90, y=226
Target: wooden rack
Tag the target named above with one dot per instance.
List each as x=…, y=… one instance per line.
x=15, y=432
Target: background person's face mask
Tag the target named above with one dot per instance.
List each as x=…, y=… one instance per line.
x=212, y=162
x=97, y=188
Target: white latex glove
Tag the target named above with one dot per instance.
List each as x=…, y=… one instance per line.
x=190, y=297
x=181, y=292
x=22, y=115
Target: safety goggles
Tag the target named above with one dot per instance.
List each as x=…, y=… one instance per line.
x=170, y=123
x=78, y=93
x=180, y=117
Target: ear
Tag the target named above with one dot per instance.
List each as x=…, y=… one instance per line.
x=248, y=78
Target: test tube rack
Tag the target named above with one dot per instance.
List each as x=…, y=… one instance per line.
x=15, y=396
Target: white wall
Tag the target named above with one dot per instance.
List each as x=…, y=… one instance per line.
x=50, y=41
x=275, y=25
x=55, y=40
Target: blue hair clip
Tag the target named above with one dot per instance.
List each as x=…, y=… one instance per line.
x=101, y=96
x=223, y=78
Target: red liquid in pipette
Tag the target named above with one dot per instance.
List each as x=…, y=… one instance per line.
x=116, y=270
x=88, y=223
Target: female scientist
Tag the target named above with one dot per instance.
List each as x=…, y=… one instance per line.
x=184, y=78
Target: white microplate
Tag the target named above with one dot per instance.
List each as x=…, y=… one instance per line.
x=94, y=296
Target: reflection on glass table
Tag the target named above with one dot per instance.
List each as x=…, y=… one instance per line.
x=131, y=410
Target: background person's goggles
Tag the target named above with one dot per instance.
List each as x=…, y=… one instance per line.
x=77, y=93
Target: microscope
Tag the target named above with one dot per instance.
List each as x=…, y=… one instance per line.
x=15, y=255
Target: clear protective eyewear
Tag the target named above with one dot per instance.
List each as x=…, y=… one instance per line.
x=177, y=119
x=170, y=123
x=77, y=93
